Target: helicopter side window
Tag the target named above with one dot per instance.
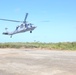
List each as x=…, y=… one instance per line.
x=21, y=26
x=17, y=27
x=26, y=25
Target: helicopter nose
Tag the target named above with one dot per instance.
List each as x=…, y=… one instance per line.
x=35, y=26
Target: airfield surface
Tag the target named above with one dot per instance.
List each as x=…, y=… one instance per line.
x=37, y=62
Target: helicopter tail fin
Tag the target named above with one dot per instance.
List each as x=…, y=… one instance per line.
x=5, y=33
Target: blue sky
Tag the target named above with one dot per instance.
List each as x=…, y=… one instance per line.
x=60, y=17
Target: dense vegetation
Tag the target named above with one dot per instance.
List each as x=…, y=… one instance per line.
x=60, y=45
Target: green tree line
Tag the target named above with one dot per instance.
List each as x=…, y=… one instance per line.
x=50, y=46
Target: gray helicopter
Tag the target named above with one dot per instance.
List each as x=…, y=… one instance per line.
x=21, y=28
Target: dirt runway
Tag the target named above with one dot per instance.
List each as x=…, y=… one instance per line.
x=37, y=62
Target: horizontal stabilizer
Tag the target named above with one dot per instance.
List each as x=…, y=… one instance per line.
x=5, y=33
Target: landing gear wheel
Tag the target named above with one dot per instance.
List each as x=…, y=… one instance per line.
x=30, y=31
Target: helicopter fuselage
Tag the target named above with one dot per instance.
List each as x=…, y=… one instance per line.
x=20, y=30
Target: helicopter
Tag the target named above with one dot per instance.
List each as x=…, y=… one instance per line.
x=23, y=27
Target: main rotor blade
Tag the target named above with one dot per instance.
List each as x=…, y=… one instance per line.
x=45, y=21
x=25, y=18
x=10, y=20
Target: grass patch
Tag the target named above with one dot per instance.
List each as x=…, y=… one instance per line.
x=59, y=46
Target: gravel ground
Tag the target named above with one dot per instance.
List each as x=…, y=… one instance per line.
x=37, y=62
